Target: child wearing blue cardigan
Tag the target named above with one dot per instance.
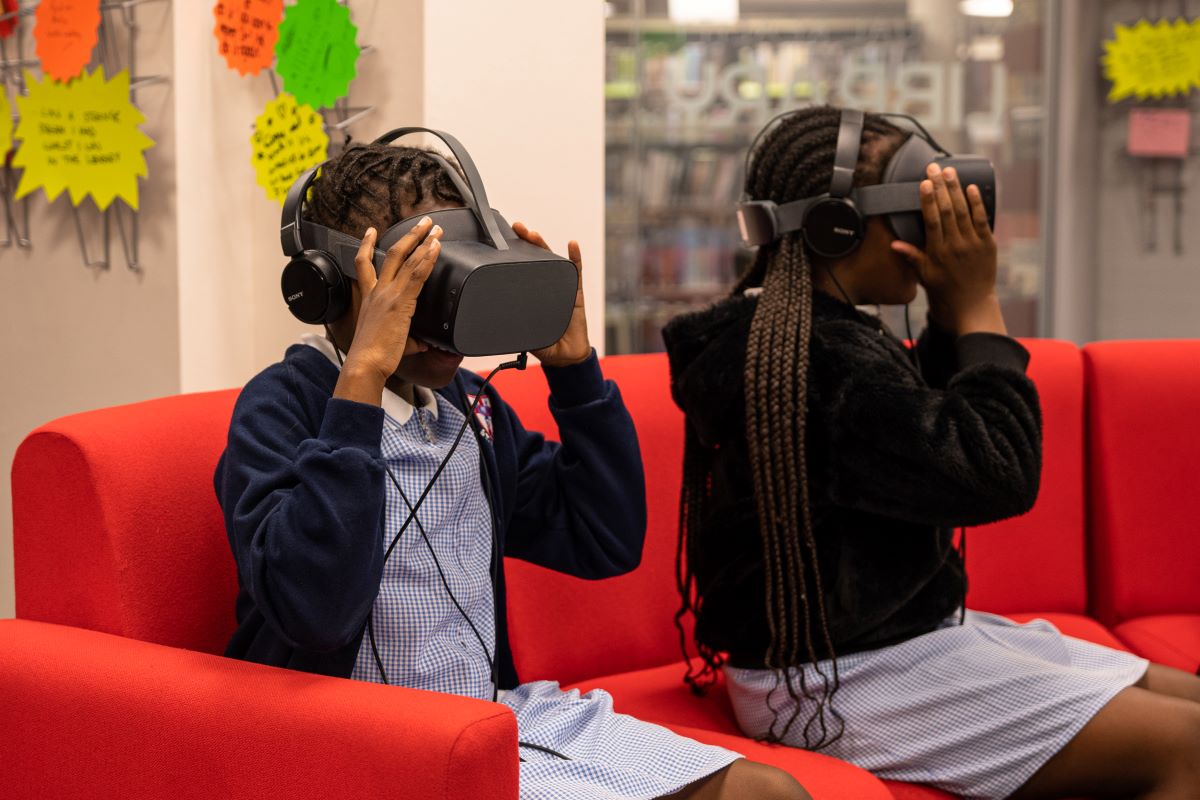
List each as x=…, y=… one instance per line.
x=328, y=453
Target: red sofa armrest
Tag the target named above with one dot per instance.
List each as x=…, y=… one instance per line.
x=88, y=714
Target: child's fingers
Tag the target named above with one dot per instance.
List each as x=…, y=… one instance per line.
x=398, y=253
x=364, y=261
x=929, y=212
x=419, y=265
x=533, y=237
x=944, y=206
x=979, y=216
x=958, y=201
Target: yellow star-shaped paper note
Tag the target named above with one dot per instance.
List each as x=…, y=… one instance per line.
x=81, y=136
x=288, y=139
x=1156, y=60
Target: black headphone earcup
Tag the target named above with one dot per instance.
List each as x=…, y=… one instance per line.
x=834, y=227
x=314, y=288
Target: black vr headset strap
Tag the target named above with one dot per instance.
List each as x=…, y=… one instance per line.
x=887, y=198
x=849, y=142
x=477, y=200
x=762, y=222
x=293, y=205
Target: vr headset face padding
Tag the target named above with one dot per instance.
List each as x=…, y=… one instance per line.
x=490, y=291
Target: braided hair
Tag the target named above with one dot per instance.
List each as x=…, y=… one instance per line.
x=793, y=160
x=377, y=185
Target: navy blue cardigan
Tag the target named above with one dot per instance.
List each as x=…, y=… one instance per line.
x=301, y=485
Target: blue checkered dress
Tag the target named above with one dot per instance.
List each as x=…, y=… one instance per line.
x=973, y=709
x=425, y=643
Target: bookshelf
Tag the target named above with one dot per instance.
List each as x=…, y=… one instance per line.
x=683, y=102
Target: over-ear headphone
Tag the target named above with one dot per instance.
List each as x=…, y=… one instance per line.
x=833, y=224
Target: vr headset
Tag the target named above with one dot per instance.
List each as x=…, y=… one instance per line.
x=490, y=291
x=834, y=223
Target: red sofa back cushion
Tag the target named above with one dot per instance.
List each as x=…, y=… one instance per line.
x=1036, y=562
x=1144, y=484
x=570, y=630
x=116, y=526
x=567, y=629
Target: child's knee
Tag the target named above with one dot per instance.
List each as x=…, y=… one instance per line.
x=754, y=779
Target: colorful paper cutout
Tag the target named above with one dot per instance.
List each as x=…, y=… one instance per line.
x=288, y=139
x=6, y=140
x=81, y=136
x=7, y=26
x=65, y=33
x=317, y=52
x=246, y=32
x=1160, y=132
x=1153, y=60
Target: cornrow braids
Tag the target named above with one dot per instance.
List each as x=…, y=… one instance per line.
x=793, y=160
x=377, y=185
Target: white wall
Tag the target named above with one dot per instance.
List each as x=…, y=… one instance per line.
x=523, y=91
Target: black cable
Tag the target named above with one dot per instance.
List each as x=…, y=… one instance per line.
x=441, y=574
x=546, y=750
x=916, y=353
x=519, y=362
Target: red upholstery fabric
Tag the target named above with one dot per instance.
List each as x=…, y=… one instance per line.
x=1170, y=639
x=1144, y=486
x=1036, y=561
x=93, y=715
x=628, y=620
x=116, y=526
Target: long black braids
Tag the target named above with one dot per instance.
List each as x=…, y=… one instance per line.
x=378, y=185
x=794, y=159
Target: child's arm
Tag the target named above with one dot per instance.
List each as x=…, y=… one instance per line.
x=580, y=506
x=963, y=455
x=303, y=504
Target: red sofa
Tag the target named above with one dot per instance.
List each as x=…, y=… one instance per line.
x=125, y=592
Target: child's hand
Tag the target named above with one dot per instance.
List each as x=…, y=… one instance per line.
x=381, y=336
x=958, y=266
x=574, y=346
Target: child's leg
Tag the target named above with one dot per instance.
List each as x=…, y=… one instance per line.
x=741, y=779
x=1171, y=682
x=1141, y=744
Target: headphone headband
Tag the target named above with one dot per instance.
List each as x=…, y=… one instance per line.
x=849, y=142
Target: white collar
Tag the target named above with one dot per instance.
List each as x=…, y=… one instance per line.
x=393, y=404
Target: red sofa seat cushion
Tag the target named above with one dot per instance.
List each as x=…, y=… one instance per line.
x=1144, y=487
x=1170, y=639
x=116, y=526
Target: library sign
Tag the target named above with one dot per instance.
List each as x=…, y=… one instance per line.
x=931, y=91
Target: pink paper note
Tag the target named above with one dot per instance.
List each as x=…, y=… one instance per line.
x=1159, y=132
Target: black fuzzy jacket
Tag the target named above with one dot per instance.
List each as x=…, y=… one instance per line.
x=897, y=459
